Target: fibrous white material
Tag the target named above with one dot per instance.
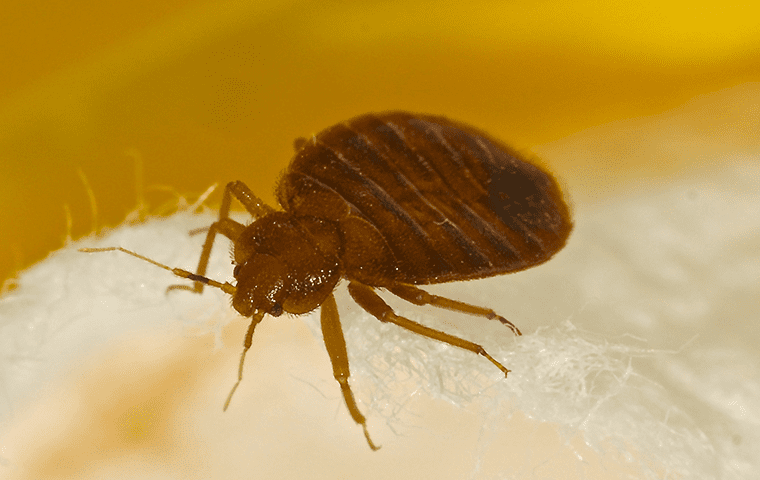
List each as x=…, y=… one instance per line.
x=640, y=340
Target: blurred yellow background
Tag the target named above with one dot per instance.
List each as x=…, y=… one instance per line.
x=208, y=92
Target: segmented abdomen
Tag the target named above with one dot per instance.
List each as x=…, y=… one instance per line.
x=451, y=202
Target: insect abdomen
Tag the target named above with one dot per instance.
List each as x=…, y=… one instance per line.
x=451, y=202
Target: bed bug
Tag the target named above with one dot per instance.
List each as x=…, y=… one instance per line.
x=386, y=201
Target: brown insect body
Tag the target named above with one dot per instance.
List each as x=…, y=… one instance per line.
x=387, y=201
x=400, y=198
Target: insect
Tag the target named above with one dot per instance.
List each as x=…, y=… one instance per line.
x=386, y=201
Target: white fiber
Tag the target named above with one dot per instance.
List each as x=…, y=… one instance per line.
x=639, y=350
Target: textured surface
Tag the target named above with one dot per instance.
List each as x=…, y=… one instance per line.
x=451, y=202
x=644, y=274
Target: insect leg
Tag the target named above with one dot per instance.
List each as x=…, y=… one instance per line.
x=420, y=297
x=226, y=226
x=255, y=206
x=336, y=348
x=370, y=301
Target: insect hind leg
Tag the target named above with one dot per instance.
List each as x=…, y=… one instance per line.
x=370, y=301
x=420, y=297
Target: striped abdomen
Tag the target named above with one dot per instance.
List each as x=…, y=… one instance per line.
x=451, y=202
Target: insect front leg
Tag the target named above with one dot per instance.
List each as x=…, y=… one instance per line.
x=370, y=301
x=420, y=297
x=226, y=226
x=335, y=343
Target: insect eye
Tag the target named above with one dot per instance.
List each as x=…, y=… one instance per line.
x=236, y=271
x=276, y=310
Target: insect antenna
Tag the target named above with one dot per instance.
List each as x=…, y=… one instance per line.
x=226, y=287
x=255, y=320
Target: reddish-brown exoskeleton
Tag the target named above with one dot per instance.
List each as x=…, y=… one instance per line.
x=385, y=201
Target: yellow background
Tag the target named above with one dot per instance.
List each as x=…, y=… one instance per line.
x=207, y=92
